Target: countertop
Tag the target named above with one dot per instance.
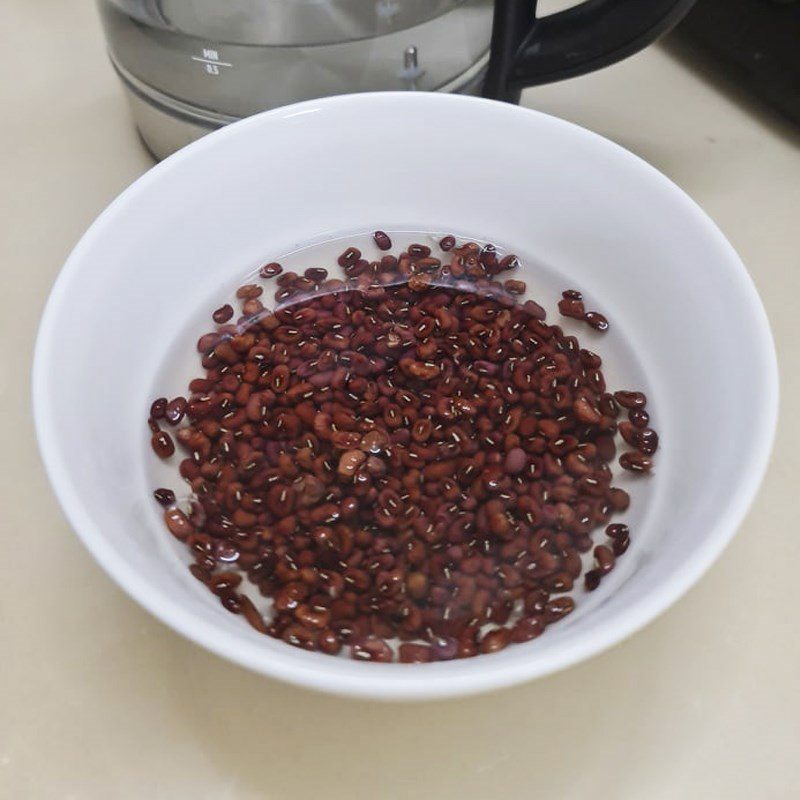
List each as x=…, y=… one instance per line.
x=101, y=701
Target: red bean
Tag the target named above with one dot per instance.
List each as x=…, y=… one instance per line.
x=608, y=406
x=249, y=291
x=371, y=648
x=158, y=408
x=516, y=460
x=619, y=499
x=312, y=617
x=414, y=653
x=162, y=444
x=178, y=523
x=202, y=574
x=620, y=545
x=527, y=628
x=596, y=320
x=225, y=582
x=558, y=608
x=329, y=642
x=646, y=441
x=175, y=410
x=270, y=270
x=631, y=399
x=636, y=462
x=165, y=497
x=495, y=640
x=382, y=240
x=628, y=433
x=349, y=257
x=251, y=614
x=223, y=314
x=444, y=648
x=231, y=602
x=604, y=558
x=419, y=250
x=349, y=462
x=617, y=531
x=586, y=412
x=571, y=308
x=592, y=579
x=508, y=262
x=417, y=585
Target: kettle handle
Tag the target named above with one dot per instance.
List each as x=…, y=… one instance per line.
x=527, y=51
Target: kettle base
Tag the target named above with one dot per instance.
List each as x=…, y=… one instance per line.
x=166, y=124
x=162, y=133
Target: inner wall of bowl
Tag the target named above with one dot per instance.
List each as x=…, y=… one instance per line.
x=580, y=212
x=180, y=362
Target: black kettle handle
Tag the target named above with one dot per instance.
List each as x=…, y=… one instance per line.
x=527, y=51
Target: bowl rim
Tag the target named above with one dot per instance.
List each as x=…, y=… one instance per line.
x=402, y=681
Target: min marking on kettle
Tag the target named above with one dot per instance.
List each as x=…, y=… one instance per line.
x=211, y=60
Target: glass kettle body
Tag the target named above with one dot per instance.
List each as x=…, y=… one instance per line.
x=190, y=66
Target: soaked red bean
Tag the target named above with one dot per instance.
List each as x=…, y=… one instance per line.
x=507, y=263
x=165, y=497
x=404, y=467
x=371, y=649
x=515, y=287
x=596, y=320
x=382, y=240
x=270, y=270
x=231, y=602
x=638, y=417
x=414, y=653
x=249, y=291
x=444, y=648
x=620, y=545
x=349, y=257
x=516, y=460
x=558, y=608
x=604, y=558
x=617, y=531
x=495, y=640
x=646, y=441
x=175, y=410
x=628, y=433
x=636, y=462
x=527, y=628
x=591, y=580
x=631, y=399
x=329, y=642
x=571, y=308
x=223, y=314
x=162, y=444
x=158, y=408
x=619, y=499
x=252, y=614
x=178, y=523
x=201, y=573
x=316, y=274
x=419, y=250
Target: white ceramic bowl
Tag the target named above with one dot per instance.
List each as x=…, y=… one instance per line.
x=687, y=326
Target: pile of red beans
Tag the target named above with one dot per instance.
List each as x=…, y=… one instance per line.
x=407, y=461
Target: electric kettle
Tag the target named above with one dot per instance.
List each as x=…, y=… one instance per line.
x=190, y=66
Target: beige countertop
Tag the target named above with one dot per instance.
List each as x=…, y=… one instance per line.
x=98, y=700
